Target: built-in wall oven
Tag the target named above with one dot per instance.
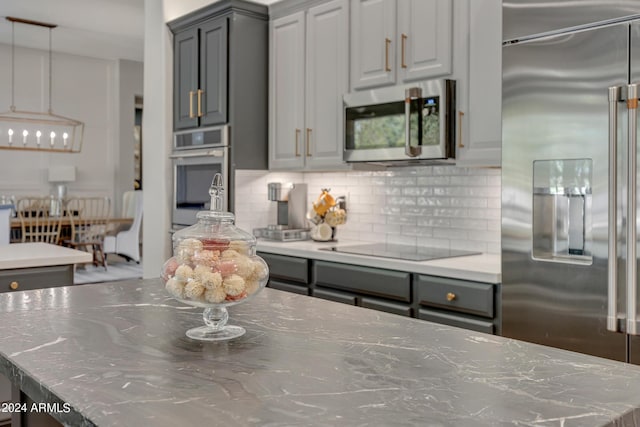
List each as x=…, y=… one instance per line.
x=197, y=156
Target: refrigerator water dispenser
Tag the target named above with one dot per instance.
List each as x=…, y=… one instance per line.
x=562, y=211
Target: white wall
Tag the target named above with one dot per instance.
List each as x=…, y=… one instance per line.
x=156, y=140
x=129, y=81
x=83, y=88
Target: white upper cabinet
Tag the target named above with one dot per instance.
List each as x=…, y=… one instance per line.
x=481, y=124
x=286, y=97
x=399, y=41
x=327, y=81
x=309, y=75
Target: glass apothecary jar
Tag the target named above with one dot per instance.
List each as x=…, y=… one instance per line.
x=214, y=266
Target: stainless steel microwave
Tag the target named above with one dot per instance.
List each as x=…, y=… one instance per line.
x=414, y=122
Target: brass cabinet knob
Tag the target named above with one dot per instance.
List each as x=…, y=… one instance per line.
x=451, y=296
x=14, y=285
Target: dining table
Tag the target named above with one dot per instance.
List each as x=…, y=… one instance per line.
x=65, y=223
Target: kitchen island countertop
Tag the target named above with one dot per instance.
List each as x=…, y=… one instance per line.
x=118, y=355
x=481, y=268
x=37, y=254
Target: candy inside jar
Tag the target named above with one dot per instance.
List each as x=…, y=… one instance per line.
x=214, y=266
x=213, y=276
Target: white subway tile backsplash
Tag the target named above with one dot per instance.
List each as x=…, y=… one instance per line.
x=434, y=201
x=472, y=180
x=494, y=203
x=443, y=206
x=431, y=221
x=469, y=224
x=430, y=181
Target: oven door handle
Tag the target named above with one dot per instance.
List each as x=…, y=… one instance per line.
x=209, y=153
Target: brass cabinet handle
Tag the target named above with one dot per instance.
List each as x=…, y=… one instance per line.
x=460, y=116
x=14, y=285
x=387, y=43
x=308, y=141
x=200, y=92
x=451, y=296
x=191, y=116
x=404, y=40
x=297, y=141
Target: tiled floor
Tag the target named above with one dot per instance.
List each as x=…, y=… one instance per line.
x=117, y=269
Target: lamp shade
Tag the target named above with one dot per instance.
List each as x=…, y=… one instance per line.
x=62, y=173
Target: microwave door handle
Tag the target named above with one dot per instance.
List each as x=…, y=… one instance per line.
x=612, y=277
x=632, y=309
x=412, y=94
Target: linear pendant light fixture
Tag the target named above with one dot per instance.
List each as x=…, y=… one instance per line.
x=37, y=131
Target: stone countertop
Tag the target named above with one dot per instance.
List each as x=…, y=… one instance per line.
x=25, y=255
x=482, y=268
x=118, y=354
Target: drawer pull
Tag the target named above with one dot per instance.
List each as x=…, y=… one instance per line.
x=14, y=285
x=451, y=296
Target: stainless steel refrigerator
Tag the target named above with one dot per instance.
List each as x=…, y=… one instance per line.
x=571, y=76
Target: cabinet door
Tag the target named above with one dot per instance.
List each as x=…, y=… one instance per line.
x=457, y=320
x=424, y=38
x=286, y=74
x=483, y=137
x=326, y=82
x=373, y=44
x=212, y=100
x=337, y=296
x=26, y=279
x=185, y=70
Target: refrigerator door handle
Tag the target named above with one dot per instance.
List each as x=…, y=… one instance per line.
x=632, y=107
x=612, y=297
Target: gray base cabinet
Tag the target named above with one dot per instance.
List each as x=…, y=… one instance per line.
x=337, y=296
x=383, y=290
x=454, y=302
x=287, y=273
x=460, y=303
x=26, y=279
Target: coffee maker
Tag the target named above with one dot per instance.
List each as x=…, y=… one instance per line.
x=291, y=221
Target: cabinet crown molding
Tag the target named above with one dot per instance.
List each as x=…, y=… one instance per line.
x=219, y=8
x=287, y=7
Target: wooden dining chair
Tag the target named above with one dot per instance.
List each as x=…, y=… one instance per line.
x=36, y=222
x=89, y=217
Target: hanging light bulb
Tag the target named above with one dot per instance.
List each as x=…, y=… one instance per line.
x=10, y=133
x=53, y=137
x=64, y=139
x=38, y=135
x=25, y=133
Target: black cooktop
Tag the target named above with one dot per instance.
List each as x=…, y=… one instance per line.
x=406, y=252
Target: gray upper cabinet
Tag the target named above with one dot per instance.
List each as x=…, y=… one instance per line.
x=212, y=104
x=185, y=70
x=200, y=75
x=220, y=73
